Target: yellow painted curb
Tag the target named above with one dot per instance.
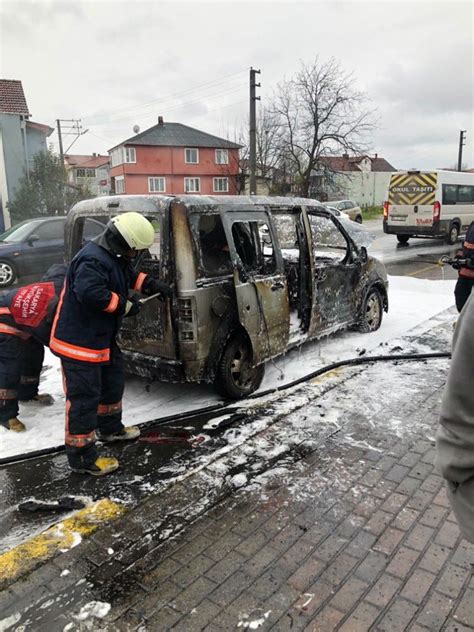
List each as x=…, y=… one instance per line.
x=60, y=537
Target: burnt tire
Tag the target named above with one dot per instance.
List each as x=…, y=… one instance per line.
x=358, y=219
x=371, y=312
x=403, y=239
x=235, y=376
x=453, y=234
x=7, y=274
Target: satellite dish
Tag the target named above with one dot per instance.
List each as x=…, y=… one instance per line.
x=136, y=129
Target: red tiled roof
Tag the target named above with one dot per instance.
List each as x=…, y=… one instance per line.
x=74, y=161
x=45, y=129
x=12, y=97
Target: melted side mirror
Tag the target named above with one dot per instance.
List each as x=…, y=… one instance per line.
x=363, y=256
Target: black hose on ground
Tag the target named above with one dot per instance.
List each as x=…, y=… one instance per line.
x=222, y=405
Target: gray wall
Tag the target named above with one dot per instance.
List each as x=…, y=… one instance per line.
x=17, y=149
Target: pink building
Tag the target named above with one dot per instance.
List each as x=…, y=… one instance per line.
x=174, y=158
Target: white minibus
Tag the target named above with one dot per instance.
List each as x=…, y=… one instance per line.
x=429, y=204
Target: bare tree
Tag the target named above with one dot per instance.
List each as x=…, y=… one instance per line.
x=319, y=113
x=268, y=148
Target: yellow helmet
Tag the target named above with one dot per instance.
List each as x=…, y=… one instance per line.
x=136, y=230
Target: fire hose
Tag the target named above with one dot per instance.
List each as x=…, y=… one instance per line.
x=227, y=404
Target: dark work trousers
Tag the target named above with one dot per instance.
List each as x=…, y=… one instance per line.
x=462, y=291
x=93, y=402
x=20, y=368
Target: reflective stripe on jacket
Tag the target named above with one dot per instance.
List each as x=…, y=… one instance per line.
x=468, y=253
x=91, y=305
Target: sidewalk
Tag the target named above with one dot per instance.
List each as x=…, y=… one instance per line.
x=330, y=518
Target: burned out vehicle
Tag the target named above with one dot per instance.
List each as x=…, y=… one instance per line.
x=252, y=278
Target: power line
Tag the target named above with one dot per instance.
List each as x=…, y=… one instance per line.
x=170, y=95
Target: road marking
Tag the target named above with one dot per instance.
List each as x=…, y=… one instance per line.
x=424, y=270
x=61, y=536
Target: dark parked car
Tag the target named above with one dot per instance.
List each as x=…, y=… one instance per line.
x=31, y=247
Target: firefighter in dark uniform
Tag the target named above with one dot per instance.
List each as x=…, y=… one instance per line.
x=26, y=316
x=91, y=307
x=465, y=281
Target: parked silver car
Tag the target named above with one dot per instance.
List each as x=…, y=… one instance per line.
x=348, y=206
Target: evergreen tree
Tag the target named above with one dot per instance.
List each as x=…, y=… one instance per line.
x=45, y=191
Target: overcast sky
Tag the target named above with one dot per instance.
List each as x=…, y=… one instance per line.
x=118, y=64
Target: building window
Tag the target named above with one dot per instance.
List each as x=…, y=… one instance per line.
x=119, y=184
x=116, y=157
x=221, y=185
x=192, y=185
x=130, y=154
x=156, y=184
x=81, y=173
x=222, y=157
x=191, y=156
x=90, y=173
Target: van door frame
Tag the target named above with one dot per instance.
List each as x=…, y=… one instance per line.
x=254, y=292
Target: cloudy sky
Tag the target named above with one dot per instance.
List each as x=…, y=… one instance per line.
x=117, y=64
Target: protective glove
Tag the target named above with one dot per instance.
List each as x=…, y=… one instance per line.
x=153, y=286
x=132, y=306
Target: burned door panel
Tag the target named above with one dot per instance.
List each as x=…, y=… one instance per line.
x=150, y=332
x=335, y=274
x=260, y=283
x=292, y=239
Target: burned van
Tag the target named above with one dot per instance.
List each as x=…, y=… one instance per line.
x=252, y=277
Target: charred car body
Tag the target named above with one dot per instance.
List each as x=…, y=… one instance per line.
x=252, y=278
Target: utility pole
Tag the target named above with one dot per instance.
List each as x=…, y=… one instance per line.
x=253, y=131
x=462, y=138
x=72, y=127
x=60, y=138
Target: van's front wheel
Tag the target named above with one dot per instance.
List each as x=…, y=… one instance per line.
x=236, y=377
x=371, y=312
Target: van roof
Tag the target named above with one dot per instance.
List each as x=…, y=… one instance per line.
x=152, y=203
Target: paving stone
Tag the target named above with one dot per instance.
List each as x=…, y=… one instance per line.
x=383, y=590
x=188, y=573
x=405, y=519
x=231, y=588
x=433, y=516
x=419, y=537
x=434, y=558
x=378, y=522
x=397, y=473
x=398, y=616
x=219, y=549
x=194, y=594
x=360, y=544
x=330, y=547
x=371, y=567
x=197, y=618
x=306, y=574
x=452, y=580
x=349, y=594
x=361, y=619
x=402, y=562
x=448, y=534
x=327, y=619
x=389, y=541
x=465, y=610
x=435, y=612
x=417, y=586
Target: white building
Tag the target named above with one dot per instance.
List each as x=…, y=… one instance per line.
x=363, y=179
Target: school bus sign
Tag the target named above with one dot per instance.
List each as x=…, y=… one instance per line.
x=412, y=188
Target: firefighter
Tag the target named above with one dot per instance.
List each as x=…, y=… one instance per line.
x=455, y=436
x=26, y=315
x=465, y=281
x=93, y=302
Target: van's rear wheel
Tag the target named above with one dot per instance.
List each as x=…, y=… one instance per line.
x=453, y=234
x=236, y=377
x=403, y=239
x=371, y=312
